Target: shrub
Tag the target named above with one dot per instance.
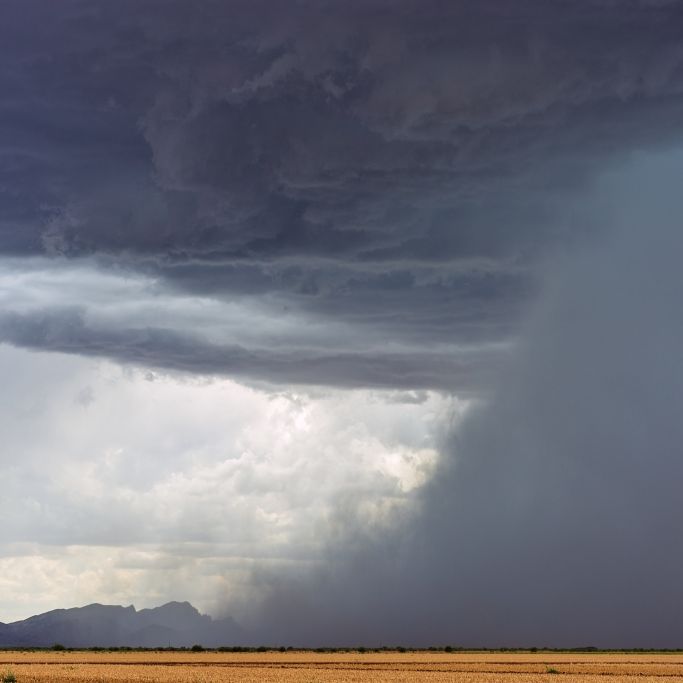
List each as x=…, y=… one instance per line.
x=9, y=677
x=197, y=648
x=550, y=670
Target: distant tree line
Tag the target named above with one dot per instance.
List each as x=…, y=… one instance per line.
x=359, y=649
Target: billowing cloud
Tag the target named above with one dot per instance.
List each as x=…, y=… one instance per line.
x=122, y=485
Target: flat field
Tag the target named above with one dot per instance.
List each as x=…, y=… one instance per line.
x=312, y=667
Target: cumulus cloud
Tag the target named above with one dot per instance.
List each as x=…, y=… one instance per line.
x=195, y=476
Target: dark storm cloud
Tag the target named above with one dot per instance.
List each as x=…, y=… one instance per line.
x=66, y=331
x=553, y=515
x=369, y=194
x=400, y=168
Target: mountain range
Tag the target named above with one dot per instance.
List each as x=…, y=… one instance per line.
x=175, y=624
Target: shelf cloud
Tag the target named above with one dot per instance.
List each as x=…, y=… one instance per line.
x=397, y=170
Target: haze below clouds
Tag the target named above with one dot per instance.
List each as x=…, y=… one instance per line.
x=552, y=515
x=358, y=321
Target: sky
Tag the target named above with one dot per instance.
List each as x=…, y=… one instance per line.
x=356, y=321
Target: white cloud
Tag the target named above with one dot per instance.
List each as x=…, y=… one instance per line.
x=162, y=487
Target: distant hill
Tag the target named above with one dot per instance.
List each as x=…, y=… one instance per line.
x=175, y=624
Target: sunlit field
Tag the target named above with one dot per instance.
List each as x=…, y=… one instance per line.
x=312, y=667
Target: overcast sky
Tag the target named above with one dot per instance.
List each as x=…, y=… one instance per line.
x=359, y=321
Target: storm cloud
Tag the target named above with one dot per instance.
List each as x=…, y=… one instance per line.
x=426, y=204
x=552, y=514
x=399, y=170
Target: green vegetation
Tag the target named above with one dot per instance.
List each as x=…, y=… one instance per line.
x=9, y=677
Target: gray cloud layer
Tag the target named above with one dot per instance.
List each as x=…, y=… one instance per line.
x=399, y=169
x=66, y=331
